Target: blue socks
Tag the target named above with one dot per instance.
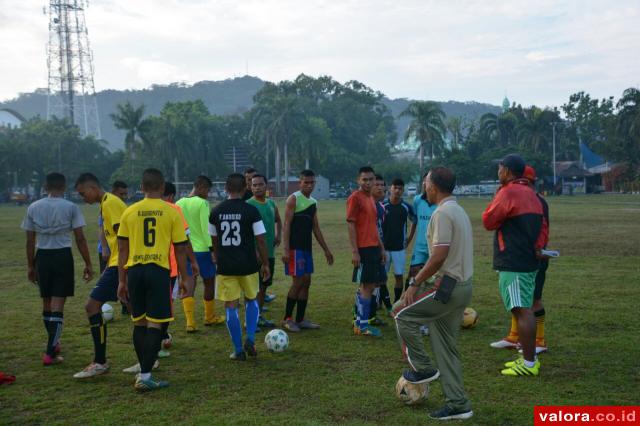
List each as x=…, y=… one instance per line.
x=363, y=307
x=235, y=330
x=251, y=317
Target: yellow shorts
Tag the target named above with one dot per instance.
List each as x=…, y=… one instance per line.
x=231, y=287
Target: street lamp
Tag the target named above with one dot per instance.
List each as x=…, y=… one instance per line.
x=553, y=160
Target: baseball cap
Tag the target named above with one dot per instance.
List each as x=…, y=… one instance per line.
x=529, y=173
x=513, y=162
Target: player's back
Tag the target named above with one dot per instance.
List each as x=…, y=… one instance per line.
x=196, y=212
x=234, y=222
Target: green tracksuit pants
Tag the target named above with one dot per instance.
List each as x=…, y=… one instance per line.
x=444, y=322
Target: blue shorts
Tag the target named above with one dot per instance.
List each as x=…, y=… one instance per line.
x=106, y=289
x=300, y=263
x=398, y=259
x=419, y=257
x=206, y=265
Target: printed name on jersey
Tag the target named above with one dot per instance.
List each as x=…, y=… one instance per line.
x=145, y=213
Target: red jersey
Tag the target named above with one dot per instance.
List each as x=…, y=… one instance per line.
x=361, y=210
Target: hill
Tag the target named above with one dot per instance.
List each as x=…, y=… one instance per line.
x=231, y=96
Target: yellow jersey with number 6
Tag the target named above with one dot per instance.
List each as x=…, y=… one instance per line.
x=151, y=225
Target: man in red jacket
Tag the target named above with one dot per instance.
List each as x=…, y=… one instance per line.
x=516, y=216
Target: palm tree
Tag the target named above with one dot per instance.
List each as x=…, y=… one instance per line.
x=533, y=130
x=427, y=127
x=454, y=126
x=129, y=118
x=629, y=115
x=499, y=129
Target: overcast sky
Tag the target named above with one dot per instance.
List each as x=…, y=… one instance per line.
x=536, y=52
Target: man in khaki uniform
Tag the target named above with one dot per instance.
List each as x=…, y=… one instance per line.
x=441, y=306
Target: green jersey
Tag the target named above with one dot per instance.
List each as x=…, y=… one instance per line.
x=196, y=213
x=268, y=212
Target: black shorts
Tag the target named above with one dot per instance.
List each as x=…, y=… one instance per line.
x=272, y=265
x=371, y=269
x=54, y=272
x=150, y=293
x=540, y=279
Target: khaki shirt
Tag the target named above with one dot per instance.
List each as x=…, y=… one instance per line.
x=451, y=226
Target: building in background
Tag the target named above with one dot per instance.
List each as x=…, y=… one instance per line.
x=321, y=191
x=10, y=118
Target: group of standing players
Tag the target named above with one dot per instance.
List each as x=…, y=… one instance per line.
x=154, y=244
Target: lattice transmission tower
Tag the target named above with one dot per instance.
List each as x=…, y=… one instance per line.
x=71, y=90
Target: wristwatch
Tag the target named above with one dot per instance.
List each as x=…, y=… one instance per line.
x=412, y=282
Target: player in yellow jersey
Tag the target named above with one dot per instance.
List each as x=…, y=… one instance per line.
x=147, y=230
x=111, y=208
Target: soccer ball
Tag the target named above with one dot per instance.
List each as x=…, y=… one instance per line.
x=276, y=340
x=166, y=343
x=411, y=393
x=469, y=318
x=107, y=312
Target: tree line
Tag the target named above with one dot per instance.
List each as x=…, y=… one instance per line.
x=330, y=127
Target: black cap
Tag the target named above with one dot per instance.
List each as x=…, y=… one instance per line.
x=513, y=162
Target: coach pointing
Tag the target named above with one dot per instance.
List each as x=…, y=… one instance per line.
x=451, y=262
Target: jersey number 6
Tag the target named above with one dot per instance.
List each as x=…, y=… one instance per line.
x=149, y=231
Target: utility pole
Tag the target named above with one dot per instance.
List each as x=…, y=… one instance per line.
x=553, y=161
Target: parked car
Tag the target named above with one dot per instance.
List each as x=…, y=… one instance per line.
x=412, y=190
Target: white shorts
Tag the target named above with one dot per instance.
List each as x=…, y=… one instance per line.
x=398, y=258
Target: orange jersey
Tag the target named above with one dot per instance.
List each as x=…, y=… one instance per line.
x=173, y=265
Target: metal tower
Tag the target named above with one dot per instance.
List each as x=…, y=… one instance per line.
x=69, y=60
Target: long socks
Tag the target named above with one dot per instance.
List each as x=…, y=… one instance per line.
x=99, y=334
x=513, y=333
x=151, y=346
x=235, y=331
x=384, y=295
x=362, y=311
x=288, y=313
x=53, y=322
x=540, y=327
x=209, y=310
x=188, y=305
x=397, y=293
x=139, y=334
x=302, y=307
x=252, y=312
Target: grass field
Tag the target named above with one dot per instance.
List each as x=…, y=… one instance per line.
x=329, y=376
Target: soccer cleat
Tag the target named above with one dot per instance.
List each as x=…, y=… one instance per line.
x=149, y=384
x=290, y=325
x=305, y=324
x=265, y=323
x=517, y=368
x=505, y=344
x=250, y=348
x=48, y=360
x=191, y=329
x=216, y=319
x=241, y=356
x=91, y=370
x=163, y=353
x=448, y=413
x=268, y=298
x=135, y=369
x=367, y=331
x=377, y=321
x=420, y=376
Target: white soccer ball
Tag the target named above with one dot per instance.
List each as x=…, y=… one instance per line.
x=411, y=393
x=276, y=340
x=107, y=312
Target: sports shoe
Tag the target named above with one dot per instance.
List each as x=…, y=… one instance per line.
x=135, y=369
x=191, y=329
x=505, y=344
x=367, y=331
x=268, y=298
x=216, y=319
x=420, y=376
x=377, y=321
x=263, y=322
x=48, y=360
x=424, y=330
x=93, y=369
x=305, y=324
x=166, y=343
x=242, y=356
x=448, y=413
x=250, y=348
x=290, y=325
x=517, y=368
x=163, y=353
x=149, y=384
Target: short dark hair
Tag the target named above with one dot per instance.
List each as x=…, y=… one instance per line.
x=250, y=170
x=119, y=184
x=365, y=169
x=152, y=180
x=443, y=178
x=307, y=173
x=202, y=181
x=55, y=181
x=169, y=189
x=397, y=182
x=257, y=175
x=379, y=177
x=235, y=183
x=86, y=177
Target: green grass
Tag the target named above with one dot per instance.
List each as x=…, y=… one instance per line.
x=328, y=376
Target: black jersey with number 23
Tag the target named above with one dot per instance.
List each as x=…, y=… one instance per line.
x=234, y=222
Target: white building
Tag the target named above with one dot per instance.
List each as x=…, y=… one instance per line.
x=9, y=118
x=320, y=192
